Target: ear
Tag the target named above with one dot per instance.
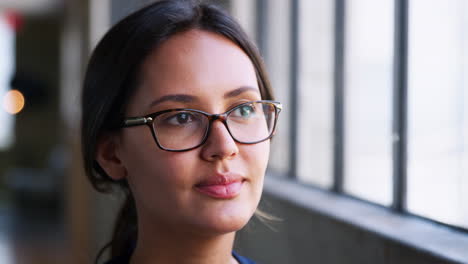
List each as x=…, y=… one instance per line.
x=108, y=157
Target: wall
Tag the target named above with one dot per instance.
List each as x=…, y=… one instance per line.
x=309, y=236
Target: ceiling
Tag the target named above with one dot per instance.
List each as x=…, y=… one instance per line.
x=30, y=6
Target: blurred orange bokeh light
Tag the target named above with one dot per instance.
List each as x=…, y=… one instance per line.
x=13, y=102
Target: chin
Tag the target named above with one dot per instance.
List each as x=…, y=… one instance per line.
x=223, y=223
x=223, y=216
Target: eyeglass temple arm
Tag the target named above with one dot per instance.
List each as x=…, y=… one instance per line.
x=136, y=121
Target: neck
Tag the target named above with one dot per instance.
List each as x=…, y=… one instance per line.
x=175, y=246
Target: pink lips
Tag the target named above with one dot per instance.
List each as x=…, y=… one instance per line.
x=221, y=187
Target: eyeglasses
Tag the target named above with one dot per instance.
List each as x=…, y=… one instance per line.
x=186, y=129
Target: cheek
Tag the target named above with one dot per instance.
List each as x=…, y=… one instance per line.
x=256, y=160
x=256, y=156
x=160, y=170
x=162, y=186
x=154, y=172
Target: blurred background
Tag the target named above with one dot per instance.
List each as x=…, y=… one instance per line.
x=33, y=150
x=369, y=164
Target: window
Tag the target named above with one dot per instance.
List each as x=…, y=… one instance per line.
x=438, y=110
x=391, y=93
x=315, y=86
x=368, y=99
x=6, y=74
x=275, y=47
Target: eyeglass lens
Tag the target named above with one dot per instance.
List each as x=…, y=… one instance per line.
x=247, y=123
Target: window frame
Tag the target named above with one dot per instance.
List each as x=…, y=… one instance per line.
x=306, y=195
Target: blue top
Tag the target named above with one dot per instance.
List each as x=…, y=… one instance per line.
x=125, y=259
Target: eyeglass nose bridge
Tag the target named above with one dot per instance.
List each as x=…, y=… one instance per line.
x=221, y=117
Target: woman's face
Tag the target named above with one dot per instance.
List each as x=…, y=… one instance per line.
x=216, y=187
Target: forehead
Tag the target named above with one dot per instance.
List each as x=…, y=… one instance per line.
x=198, y=63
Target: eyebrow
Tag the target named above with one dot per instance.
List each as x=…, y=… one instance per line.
x=185, y=98
x=239, y=91
x=182, y=98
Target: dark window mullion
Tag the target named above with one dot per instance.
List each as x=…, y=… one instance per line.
x=261, y=23
x=400, y=65
x=294, y=51
x=338, y=83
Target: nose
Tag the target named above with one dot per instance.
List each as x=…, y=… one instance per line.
x=219, y=145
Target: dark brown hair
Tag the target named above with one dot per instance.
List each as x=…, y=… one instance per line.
x=112, y=76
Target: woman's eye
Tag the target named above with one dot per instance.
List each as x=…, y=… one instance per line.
x=180, y=119
x=245, y=111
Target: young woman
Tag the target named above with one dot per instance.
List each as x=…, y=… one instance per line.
x=177, y=112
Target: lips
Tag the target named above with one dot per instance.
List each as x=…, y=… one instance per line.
x=221, y=186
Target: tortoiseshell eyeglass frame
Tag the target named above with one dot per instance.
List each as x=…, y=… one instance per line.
x=148, y=120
